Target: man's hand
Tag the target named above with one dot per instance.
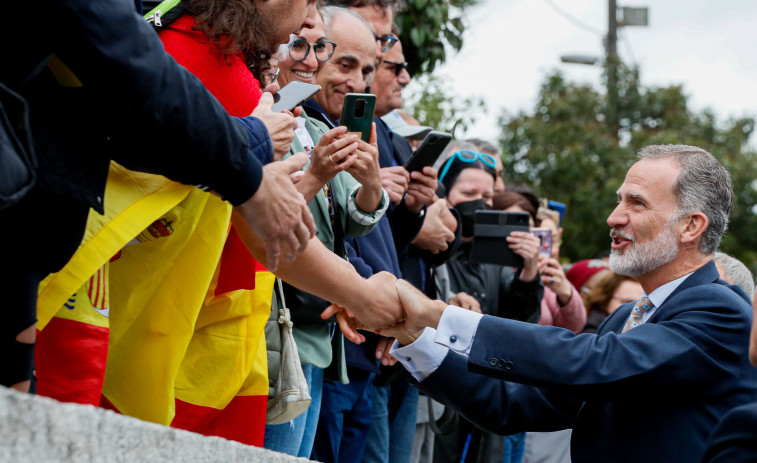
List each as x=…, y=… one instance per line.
x=382, y=351
x=422, y=190
x=527, y=246
x=367, y=171
x=466, y=301
x=421, y=312
x=435, y=235
x=280, y=125
x=395, y=181
x=278, y=214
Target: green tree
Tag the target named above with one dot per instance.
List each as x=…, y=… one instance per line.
x=566, y=150
x=430, y=28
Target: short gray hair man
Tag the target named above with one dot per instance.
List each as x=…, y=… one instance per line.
x=703, y=185
x=734, y=272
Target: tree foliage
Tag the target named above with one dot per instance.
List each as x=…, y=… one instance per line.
x=566, y=150
x=432, y=100
x=429, y=28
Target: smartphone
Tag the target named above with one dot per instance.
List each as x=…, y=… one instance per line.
x=491, y=229
x=292, y=95
x=545, y=235
x=357, y=114
x=431, y=148
x=559, y=207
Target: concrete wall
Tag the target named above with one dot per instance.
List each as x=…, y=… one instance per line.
x=38, y=429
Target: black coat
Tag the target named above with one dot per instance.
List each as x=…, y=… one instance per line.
x=129, y=101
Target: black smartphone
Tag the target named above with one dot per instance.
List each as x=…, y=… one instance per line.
x=357, y=114
x=431, y=148
x=491, y=229
x=292, y=95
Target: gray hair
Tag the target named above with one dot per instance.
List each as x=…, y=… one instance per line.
x=329, y=13
x=703, y=185
x=485, y=146
x=736, y=272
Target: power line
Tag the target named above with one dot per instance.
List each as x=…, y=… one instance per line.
x=574, y=20
x=627, y=41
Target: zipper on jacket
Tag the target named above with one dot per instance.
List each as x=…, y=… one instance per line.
x=163, y=8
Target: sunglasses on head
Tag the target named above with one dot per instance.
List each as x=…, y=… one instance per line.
x=468, y=156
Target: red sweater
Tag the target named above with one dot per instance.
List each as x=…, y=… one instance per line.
x=230, y=82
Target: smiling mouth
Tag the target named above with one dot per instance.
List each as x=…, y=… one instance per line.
x=619, y=239
x=304, y=75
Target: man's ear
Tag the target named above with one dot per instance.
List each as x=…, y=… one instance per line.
x=691, y=228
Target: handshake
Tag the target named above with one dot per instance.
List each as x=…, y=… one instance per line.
x=396, y=309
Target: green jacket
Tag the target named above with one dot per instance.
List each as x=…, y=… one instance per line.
x=314, y=339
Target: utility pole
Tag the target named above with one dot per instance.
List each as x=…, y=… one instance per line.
x=612, y=66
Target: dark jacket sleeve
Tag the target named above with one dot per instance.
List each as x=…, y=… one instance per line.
x=159, y=117
x=405, y=225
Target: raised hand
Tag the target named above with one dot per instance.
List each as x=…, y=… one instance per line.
x=367, y=171
x=527, y=246
x=395, y=181
x=553, y=276
x=435, y=235
x=422, y=190
x=278, y=214
x=333, y=153
x=280, y=125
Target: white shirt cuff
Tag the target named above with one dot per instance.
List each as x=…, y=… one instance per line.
x=456, y=329
x=422, y=357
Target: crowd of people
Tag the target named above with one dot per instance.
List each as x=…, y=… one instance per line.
x=147, y=268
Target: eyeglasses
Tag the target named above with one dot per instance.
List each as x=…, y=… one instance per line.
x=270, y=76
x=398, y=67
x=387, y=42
x=468, y=156
x=299, y=50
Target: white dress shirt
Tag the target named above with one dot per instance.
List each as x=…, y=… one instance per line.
x=458, y=327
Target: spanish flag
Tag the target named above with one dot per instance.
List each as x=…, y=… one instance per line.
x=73, y=304
x=222, y=387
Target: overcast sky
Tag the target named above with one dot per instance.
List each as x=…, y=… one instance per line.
x=710, y=47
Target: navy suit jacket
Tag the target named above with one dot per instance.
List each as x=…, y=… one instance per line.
x=734, y=440
x=652, y=394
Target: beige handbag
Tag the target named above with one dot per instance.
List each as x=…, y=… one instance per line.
x=288, y=393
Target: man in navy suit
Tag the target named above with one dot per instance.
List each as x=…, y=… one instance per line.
x=652, y=383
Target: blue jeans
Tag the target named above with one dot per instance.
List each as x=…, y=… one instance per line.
x=395, y=408
x=296, y=437
x=515, y=447
x=345, y=419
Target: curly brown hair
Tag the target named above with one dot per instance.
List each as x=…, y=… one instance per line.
x=233, y=26
x=602, y=293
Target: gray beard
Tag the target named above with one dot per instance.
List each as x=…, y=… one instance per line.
x=646, y=257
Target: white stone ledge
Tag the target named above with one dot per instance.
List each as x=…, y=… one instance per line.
x=38, y=429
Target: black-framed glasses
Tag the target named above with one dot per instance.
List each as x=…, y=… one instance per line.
x=299, y=50
x=387, y=42
x=398, y=66
x=468, y=156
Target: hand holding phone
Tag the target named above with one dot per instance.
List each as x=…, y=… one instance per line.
x=490, y=234
x=292, y=95
x=357, y=114
x=431, y=148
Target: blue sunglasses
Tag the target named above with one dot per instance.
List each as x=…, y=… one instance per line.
x=468, y=156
